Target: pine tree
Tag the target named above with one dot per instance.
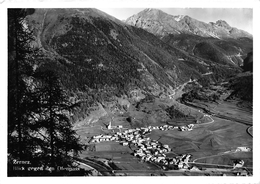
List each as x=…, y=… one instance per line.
x=19, y=68
x=54, y=110
x=39, y=129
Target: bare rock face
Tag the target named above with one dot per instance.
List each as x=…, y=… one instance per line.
x=161, y=24
x=223, y=24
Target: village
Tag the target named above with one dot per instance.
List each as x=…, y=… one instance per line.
x=146, y=149
x=153, y=151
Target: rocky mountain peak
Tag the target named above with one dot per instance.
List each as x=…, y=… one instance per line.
x=152, y=13
x=222, y=23
x=152, y=10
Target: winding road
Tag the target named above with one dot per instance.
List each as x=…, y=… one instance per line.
x=249, y=130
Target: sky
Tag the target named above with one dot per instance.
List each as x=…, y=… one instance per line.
x=241, y=18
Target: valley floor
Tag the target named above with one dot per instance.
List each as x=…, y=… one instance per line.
x=215, y=144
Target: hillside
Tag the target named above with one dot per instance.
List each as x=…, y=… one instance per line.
x=229, y=51
x=99, y=58
x=242, y=87
x=248, y=62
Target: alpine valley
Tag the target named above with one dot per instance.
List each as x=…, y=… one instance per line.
x=158, y=94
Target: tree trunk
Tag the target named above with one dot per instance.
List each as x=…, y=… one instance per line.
x=17, y=91
x=51, y=122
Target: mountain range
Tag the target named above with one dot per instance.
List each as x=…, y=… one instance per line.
x=214, y=41
x=160, y=23
x=100, y=58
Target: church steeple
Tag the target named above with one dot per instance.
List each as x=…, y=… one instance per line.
x=109, y=125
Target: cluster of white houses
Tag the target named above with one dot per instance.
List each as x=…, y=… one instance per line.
x=130, y=135
x=243, y=149
x=186, y=128
x=157, y=155
x=137, y=133
x=169, y=127
x=147, y=150
x=239, y=149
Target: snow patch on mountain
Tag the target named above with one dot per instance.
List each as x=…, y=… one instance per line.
x=178, y=17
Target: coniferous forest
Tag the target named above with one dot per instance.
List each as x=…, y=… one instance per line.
x=40, y=135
